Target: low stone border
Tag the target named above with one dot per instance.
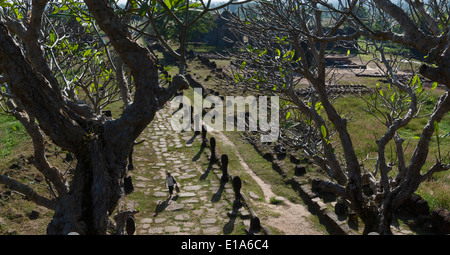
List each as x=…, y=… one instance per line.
x=440, y=220
x=303, y=186
x=339, y=89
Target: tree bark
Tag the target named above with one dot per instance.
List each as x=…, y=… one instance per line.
x=94, y=192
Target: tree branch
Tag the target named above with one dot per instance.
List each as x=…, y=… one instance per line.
x=31, y=88
x=51, y=173
x=28, y=192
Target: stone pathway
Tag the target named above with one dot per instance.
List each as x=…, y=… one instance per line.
x=203, y=206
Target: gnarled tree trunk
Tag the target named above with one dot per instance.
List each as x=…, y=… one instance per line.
x=101, y=146
x=94, y=192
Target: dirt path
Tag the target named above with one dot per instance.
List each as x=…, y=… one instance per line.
x=293, y=217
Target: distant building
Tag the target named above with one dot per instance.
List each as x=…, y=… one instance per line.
x=221, y=35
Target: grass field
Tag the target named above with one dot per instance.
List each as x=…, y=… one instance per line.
x=12, y=135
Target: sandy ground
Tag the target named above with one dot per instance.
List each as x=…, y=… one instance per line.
x=293, y=218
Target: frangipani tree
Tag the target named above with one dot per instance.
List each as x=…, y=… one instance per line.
x=288, y=42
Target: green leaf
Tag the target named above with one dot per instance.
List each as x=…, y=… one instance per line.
x=393, y=97
x=194, y=5
x=143, y=9
x=348, y=53
x=243, y=65
x=324, y=132
x=4, y=3
x=92, y=87
x=434, y=86
x=436, y=127
x=236, y=77
x=87, y=53
x=414, y=80
x=64, y=8
x=278, y=52
x=274, y=88
x=52, y=37
x=289, y=54
x=288, y=114
x=318, y=106
x=262, y=53
x=381, y=92
x=168, y=3
x=281, y=40
x=419, y=85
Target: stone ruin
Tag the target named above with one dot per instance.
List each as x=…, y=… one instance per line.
x=340, y=61
x=221, y=35
x=338, y=89
x=206, y=60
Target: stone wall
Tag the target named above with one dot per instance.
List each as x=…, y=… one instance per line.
x=339, y=89
x=440, y=221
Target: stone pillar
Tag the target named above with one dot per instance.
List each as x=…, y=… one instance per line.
x=237, y=185
x=255, y=224
x=128, y=185
x=204, y=139
x=340, y=208
x=353, y=220
x=212, y=143
x=224, y=160
x=130, y=225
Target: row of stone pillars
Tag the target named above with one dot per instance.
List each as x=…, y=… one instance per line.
x=239, y=198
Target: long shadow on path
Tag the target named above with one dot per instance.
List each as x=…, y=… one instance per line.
x=216, y=197
x=229, y=227
x=162, y=205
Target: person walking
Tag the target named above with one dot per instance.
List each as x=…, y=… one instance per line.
x=170, y=182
